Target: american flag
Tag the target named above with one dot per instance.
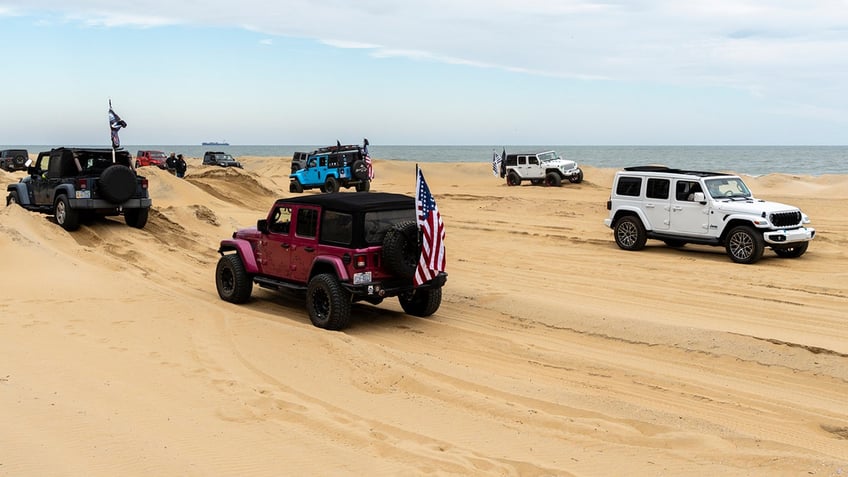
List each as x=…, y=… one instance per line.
x=432, y=260
x=496, y=163
x=115, y=124
x=368, y=159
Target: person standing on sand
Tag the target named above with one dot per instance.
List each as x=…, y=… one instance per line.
x=180, y=166
x=171, y=163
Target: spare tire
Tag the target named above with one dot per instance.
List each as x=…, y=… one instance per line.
x=360, y=170
x=20, y=160
x=117, y=183
x=401, y=250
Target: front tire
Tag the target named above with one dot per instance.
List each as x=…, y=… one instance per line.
x=421, y=303
x=327, y=302
x=792, y=252
x=12, y=198
x=576, y=179
x=232, y=280
x=295, y=186
x=630, y=233
x=67, y=217
x=552, y=179
x=744, y=245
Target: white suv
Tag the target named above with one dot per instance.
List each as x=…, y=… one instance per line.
x=541, y=167
x=680, y=207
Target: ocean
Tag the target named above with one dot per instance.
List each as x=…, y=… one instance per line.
x=751, y=160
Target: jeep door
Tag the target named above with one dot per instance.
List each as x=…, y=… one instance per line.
x=275, y=254
x=688, y=216
x=658, y=203
x=304, y=242
x=40, y=183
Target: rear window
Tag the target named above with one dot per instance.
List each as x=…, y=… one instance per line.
x=377, y=223
x=629, y=186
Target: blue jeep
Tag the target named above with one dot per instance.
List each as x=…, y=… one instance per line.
x=330, y=168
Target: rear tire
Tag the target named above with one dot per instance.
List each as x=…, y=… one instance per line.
x=117, y=183
x=331, y=185
x=232, y=280
x=136, y=218
x=360, y=170
x=630, y=233
x=421, y=303
x=363, y=186
x=328, y=302
x=512, y=179
x=67, y=217
x=744, y=245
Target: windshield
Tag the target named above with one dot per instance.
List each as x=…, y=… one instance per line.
x=158, y=155
x=547, y=156
x=377, y=223
x=727, y=188
x=223, y=157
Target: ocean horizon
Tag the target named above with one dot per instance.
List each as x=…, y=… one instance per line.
x=751, y=160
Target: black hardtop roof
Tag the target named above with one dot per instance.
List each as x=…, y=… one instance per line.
x=15, y=150
x=354, y=201
x=342, y=148
x=103, y=150
x=671, y=170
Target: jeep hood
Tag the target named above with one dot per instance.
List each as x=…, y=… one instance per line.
x=249, y=233
x=562, y=164
x=753, y=206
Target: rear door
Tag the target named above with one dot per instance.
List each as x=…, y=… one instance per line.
x=304, y=241
x=658, y=203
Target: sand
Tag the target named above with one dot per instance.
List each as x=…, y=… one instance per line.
x=553, y=353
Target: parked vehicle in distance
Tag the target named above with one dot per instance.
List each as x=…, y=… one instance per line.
x=150, y=158
x=547, y=168
x=14, y=159
x=218, y=158
x=329, y=169
x=338, y=249
x=78, y=183
x=710, y=208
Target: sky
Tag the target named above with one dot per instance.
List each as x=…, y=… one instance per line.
x=417, y=72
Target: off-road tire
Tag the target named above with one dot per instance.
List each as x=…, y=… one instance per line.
x=12, y=198
x=421, y=303
x=630, y=233
x=331, y=185
x=66, y=216
x=576, y=179
x=792, y=252
x=363, y=186
x=401, y=250
x=137, y=164
x=18, y=161
x=512, y=179
x=233, y=282
x=136, y=218
x=744, y=245
x=327, y=302
x=360, y=170
x=552, y=179
x=117, y=183
x=295, y=186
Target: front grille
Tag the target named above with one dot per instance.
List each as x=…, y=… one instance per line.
x=785, y=219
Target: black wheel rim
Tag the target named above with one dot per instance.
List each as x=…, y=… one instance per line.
x=228, y=281
x=321, y=304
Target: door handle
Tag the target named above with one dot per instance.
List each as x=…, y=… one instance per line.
x=309, y=249
x=649, y=206
x=285, y=245
x=676, y=208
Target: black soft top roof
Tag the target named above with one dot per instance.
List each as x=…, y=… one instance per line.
x=355, y=201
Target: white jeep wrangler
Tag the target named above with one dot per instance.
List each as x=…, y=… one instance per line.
x=680, y=207
x=543, y=167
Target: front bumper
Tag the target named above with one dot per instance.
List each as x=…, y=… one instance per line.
x=393, y=287
x=105, y=204
x=572, y=172
x=782, y=237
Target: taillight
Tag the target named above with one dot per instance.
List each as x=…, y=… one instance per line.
x=82, y=183
x=359, y=261
x=144, y=183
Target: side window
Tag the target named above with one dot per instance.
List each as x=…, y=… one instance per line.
x=280, y=221
x=533, y=161
x=657, y=188
x=629, y=186
x=336, y=227
x=312, y=162
x=685, y=190
x=307, y=222
x=322, y=161
x=511, y=161
x=522, y=160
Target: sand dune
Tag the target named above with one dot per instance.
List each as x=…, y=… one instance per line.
x=554, y=352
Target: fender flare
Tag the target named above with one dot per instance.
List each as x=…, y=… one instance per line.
x=632, y=211
x=244, y=250
x=23, y=192
x=335, y=262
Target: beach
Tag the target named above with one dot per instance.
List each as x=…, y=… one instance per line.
x=554, y=352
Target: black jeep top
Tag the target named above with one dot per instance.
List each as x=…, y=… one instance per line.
x=355, y=201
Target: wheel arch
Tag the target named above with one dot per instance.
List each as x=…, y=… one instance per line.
x=331, y=265
x=21, y=189
x=244, y=251
x=635, y=212
x=734, y=222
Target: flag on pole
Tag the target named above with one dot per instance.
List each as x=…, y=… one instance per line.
x=432, y=260
x=115, y=124
x=368, y=164
x=496, y=163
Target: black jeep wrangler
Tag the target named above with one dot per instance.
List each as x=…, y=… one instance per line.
x=218, y=158
x=13, y=159
x=76, y=183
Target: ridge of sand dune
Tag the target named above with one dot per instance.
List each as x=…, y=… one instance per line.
x=554, y=352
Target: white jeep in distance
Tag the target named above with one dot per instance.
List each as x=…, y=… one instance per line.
x=541, y=167
x=710, y=208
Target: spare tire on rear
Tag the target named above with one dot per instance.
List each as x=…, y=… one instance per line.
x=117, y=183
x=360, y=170
x=401, y=249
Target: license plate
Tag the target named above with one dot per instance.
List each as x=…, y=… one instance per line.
x=83, y=194
x=360, y=278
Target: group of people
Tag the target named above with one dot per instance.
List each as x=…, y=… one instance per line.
x=176, y=165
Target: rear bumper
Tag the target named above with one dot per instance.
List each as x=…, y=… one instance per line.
x=394, y=287
x=105, y=204
x=781, y=237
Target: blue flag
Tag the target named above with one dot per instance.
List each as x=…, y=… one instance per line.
x=115, y=124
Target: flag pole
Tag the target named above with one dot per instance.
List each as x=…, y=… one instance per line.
x=110, y=139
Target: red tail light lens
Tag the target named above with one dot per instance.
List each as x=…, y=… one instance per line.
x=82, y=183
x=144, y=183
x=359, y=261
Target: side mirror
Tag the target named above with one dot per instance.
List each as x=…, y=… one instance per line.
x=262, y=225
x=32, y=170
x=699, y=197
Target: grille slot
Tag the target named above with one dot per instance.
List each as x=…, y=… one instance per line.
x=785, y=219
